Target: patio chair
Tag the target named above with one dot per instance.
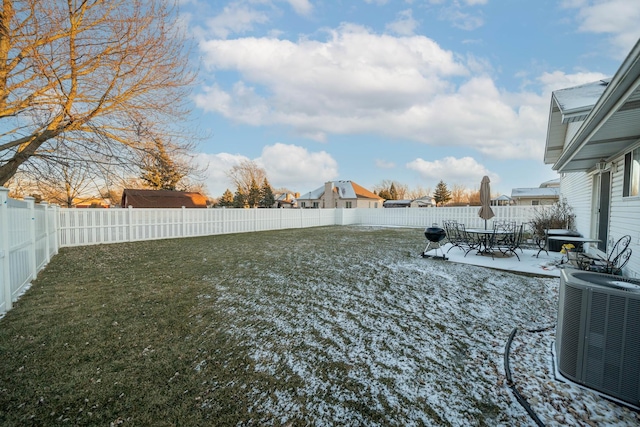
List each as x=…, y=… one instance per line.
x=510, y=240
x=616, y=259
x=470, y=241
x=503, y=232
x=504, y=225
x=453, y=234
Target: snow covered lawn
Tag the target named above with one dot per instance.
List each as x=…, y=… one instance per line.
x=315, y=327
x=376, y=335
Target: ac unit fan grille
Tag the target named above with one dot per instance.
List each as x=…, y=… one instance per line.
x=571, y=331
x=598, y=342
x=630, y=366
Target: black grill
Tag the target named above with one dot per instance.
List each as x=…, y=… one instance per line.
x=435, y=234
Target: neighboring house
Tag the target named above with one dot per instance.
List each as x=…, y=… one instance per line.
x=544, y=195
x=502, y=200
x=92, y=203
x=286, y=200
x=397, y=204
x=162, y=199
x=423, y=202
x=553, y=183
x=593, y=140
x=340, y=194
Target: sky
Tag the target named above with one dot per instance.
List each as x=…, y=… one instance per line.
x=413, y=91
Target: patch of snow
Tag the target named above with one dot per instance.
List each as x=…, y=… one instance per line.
x=380, y=338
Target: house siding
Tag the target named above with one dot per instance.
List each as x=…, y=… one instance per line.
x=529, y=201
x=577, y=188
x=624, y=218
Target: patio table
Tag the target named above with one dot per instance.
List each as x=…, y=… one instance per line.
x=484, y=237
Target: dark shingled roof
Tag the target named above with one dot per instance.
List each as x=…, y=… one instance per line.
x=162, y=199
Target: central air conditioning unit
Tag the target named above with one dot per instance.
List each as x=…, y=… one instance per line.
x=598, y=333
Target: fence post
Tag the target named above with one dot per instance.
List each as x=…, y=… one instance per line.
x=223, y=228
x=47, y=243
x=4, y=248
x=130, y=219
x=183, y=213
x=32, y=233
x=56, y=228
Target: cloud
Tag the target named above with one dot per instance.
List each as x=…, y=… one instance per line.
x=465, y=171
x=288, y=166
x=235, y=18
x=616, y=18
x=295, y=167
x=459, y=19
x=358, y=82
x=384, y=164
x=302, y=7
x=217, y=165
x=404, y=24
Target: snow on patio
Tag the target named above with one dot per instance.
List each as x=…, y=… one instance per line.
x=367, y=332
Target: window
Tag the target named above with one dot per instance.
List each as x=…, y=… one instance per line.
x=535, y=202
x=303, y=204
x=348, y=205
x=631, y=184
x=316, y=205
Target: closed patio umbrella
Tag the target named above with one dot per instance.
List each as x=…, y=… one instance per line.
x=485, y=201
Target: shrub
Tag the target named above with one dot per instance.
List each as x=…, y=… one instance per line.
x=558, y=215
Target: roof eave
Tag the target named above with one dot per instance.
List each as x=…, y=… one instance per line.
x=624, y=82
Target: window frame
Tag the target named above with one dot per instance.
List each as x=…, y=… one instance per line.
x=629, y=170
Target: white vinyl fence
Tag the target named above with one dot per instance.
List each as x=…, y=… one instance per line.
x=31, y=234
x=28, y=240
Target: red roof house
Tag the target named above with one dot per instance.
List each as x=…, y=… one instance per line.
x=162, y=199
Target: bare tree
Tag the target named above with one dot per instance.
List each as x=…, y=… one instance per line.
x=418, y=192
x=459, y=195
x=245, y=174
x=391, y=190
x=86, y=70
x=474, y=197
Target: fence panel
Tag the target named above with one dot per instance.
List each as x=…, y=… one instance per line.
x=425, y=217
x=93, y=226
x=21, y=252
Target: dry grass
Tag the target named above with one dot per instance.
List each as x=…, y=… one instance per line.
x=296, y=327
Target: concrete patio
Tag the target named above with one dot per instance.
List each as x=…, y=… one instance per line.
x=543, y=265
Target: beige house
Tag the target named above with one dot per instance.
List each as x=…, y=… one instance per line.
x=547, y=194
x=423, y=202
x=502, y=200
x=340, y=194
x=286, y=200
